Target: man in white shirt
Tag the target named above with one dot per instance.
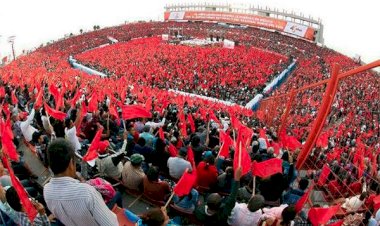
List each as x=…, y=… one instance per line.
x=26, y=128
x=72, y=202
x=177, y=165
x=247, y=214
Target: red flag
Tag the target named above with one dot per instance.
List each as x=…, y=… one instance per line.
x=14, y=98
x=76, y=97
x=172, y=150
x=213, y=117
x=148, y=104
x=319, y=215
x=241, y=155
x=113, y=111
x=267, y=168
x=135, y=111
x=324, y=174
x=38, y=103
x=161, y=134
x=92, y=150
x=191, y=122
x=26, y=203
x=57, y=96
x=337, y=223
x=190, y=156
x=227, y=142
x=2, y=91
x=376, y=203
x=303, y=200
x=185, y=183
x=323, y=140
x=9, y=148
x=54, y=113
x=289, y=142
x=93, y=103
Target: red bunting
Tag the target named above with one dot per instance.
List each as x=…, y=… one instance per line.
x=161, y=134
x=14, y=98
x=267, y=168
x=323, y=176
x=303, y=200
x=191, y=122
x=135, y=111
x=172, y=150
x=320, y=216
x=185, y=183
x=54, y=113
x=23, y=195
x=9, y=148
x=92, y=150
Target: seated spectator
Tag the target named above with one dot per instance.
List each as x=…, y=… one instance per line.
x=293, y=195
x=110, y=196
x=247, y=214
x=143, y=149
x=178, y=165
x=14, y=201
x=214, y=211
x=354, y=203
x=154, y=217
x=225, y=180
x=154, y=188
x=188, y=202
x=148, y=137
x=133, y=174
x=207, y=174
x=72, y=202
x=110, y=165
x=279, y=216
x=160, y=156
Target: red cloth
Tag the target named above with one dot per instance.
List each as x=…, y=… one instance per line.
x=38, y=103
x=113, y=112
x=226, y=143
x=2, y=91
x=23, y=195
x=76, y=97
x=241, y=152
x=148, y=104
x=54, y=113
x=172, y=150
x=191, y=122
x=9, y=148
x=190, y=156
x=303, y=200
x=93, y=103
x=182, y=121
x=135, y=111
x=185, y=183
x=14, y=98
x=207, y=176
x=324, y=174
x=161, y=134
x=267, y=168
x=92, y=150
x=319, y=215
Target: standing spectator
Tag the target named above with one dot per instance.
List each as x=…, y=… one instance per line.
x=72, y=202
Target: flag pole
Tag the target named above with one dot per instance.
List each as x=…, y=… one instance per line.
x=169, y=200
x=254, y=186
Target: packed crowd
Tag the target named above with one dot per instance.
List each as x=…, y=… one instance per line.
x=183, y=138
x=234, y=75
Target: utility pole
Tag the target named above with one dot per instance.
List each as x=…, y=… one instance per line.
x=11, y=40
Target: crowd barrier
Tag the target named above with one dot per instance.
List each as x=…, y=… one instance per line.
x=88, y=70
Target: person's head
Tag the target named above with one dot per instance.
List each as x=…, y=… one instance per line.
x=363, y=196
x=214, y=202
x=146, y=129
x=285, y=156
x=288, y=214
x=195, y=141
x=303, y=184
x=182, y=152
x=61, y=158
x=131, y=129
x=103, y=147
x=152, y=174
x=13, y=199
x=256, y=203
x=136, y=160
x=155, y=217
x=141, y=141
x=37, y=137
x=68, y=123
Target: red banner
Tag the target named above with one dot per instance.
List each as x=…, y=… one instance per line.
x=244, y=19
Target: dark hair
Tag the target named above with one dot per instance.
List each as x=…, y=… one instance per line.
x=154, y=217
x=13, y=199
x=303, y=184
x=288, y=214
x=209, y=160
x=160, y=146
x=36, y=135
x=195, y=141
x=363, y=196
x=152, y=174
x=60, y=153
x=285, y=156
x=67, y=122
x=141, y=141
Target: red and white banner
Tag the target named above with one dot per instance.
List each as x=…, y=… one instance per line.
x=244, y=19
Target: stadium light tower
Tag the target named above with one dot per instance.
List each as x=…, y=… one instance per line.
x=11, y=40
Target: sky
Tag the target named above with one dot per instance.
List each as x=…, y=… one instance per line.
x=350, y=27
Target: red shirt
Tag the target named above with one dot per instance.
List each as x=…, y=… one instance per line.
x=206, y=176
x=156, y=190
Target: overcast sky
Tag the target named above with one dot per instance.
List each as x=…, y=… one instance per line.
x=351, y=27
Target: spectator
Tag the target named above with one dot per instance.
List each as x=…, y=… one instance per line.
x=132, y=174
x=207, y=174
x=293, y=195
x=72, y=202
x=188, y=202
x=154, y=188
x=247, y=214
x=178, y=165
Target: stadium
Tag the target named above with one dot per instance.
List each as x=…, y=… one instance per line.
x=217, y=115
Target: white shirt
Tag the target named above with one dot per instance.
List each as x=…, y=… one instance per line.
x=77, y=204
x=242, y=216
x=154, y=125
x=177, y=166
x=45, y=123
x=71, y=136
x=353, y=204
x=26, y=129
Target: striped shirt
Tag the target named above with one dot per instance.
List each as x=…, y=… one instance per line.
x=77, y=204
